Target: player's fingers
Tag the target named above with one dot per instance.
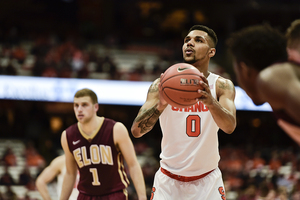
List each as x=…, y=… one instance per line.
x=204, y=79
x=161, y=75
x=204, y=85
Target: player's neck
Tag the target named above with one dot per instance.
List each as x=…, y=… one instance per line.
x=202, y=67
x=89, y=127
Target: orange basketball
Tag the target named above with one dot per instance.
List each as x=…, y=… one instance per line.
x=179, y=85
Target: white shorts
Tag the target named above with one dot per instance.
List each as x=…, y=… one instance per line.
x=210, y=187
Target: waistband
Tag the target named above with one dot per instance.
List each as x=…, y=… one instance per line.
x=184, y=178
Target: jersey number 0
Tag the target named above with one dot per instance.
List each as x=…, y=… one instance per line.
x=193, y=125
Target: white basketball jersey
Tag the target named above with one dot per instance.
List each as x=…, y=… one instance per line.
x=190, y=140
x=60, y=179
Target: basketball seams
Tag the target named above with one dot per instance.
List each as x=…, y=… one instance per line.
x=180, y=87
x=184, y=105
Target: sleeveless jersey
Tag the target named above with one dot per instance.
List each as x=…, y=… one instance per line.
x=190, y=138
x=100, y=164
x=60, y=179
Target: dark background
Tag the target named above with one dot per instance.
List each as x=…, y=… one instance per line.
x=124, y=24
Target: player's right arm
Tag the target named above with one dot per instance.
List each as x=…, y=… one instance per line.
x=47, y=175
x=149, y=112
x=71, y=170
x=280, y=87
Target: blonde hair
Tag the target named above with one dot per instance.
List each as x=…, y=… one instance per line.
x=87, y=92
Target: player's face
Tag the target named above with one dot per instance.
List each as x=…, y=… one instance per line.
x=196, y=47
x=84, y=109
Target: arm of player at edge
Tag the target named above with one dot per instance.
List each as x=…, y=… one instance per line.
x=149, y=112
x=223, y=110
x=71, y=170
x=47, y=175
x=125, y=145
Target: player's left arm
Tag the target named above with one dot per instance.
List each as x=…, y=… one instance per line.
x=125, y=145
x=223, y=108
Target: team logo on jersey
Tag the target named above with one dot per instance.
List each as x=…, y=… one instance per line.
x=76, y=142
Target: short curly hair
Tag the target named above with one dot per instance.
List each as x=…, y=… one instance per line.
x=293, y=35
x=209, y=31
x=258, y=46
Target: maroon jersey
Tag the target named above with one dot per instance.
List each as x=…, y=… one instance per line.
x=100, y=164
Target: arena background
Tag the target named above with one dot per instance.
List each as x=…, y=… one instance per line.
x=130, y=40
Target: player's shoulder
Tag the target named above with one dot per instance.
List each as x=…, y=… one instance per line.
x=275, y=73
x=276, y=70
x=154, y=86
x=120, y=132
x=225, y=84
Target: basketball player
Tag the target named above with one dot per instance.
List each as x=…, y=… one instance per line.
x=96, y=147
x=57, y=168
x=189, y=158
x=293, y=41
x=260, y=63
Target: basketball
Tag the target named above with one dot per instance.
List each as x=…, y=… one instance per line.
x=179, y=85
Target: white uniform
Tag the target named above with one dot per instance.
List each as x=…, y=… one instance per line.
x=60, y=179
x=189, y=148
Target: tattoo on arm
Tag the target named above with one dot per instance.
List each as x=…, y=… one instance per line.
x=225, y=85
x=153, y=87
x=147, y=119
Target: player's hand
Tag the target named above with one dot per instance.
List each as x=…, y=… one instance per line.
x=205, y=94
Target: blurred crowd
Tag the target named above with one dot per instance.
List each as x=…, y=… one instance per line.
x=19, y=167
x=249, y=173
x=50, y=56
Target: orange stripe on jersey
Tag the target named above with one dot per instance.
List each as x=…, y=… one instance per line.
x=184, y=178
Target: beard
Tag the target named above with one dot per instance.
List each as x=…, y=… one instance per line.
x=191, y=61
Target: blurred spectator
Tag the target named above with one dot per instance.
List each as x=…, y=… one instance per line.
x=107, y=65
x=19, y=54
x=9, y=158
x=138, y=70
x=6, y=178
x=249, y=193
x=25, y=177
x=275, y=163
x=10, y=70
x=33, y=158
x=9, y=194
x=282, y=193
x=258, y=161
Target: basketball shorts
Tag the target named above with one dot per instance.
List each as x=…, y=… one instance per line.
x=120, y=195
x=209, y=187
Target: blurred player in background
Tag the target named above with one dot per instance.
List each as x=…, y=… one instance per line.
x=261, y=67
x=96, y=147
x=56, y=169
x=189, y=158
x=293, y=41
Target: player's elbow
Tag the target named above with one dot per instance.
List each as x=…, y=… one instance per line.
x=135, y=132
x=230, y=128
x=229, y=131
x=38, y=182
